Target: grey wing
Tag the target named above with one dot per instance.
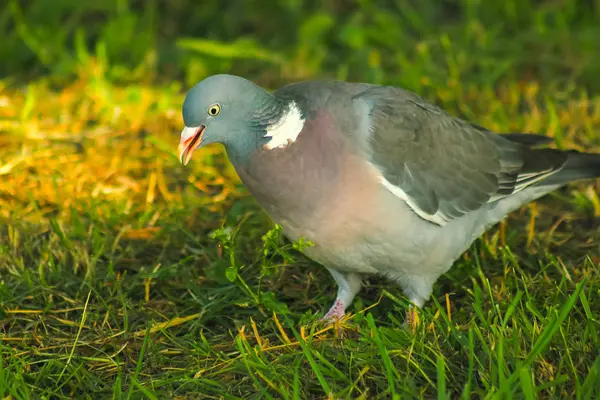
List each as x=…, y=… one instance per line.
x=442, y=166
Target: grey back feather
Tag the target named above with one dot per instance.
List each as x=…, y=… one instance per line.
x=446, y=166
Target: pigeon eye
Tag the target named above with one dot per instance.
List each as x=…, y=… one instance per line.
x=214, y=109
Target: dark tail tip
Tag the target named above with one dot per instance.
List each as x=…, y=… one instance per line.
x=578, y=166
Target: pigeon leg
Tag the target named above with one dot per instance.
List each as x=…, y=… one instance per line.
x=348, y=286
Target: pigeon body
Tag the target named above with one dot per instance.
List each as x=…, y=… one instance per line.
x=379, y=180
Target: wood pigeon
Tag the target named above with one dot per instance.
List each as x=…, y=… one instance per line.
x=379, y=180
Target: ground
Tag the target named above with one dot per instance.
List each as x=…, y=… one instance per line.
x=124, y=274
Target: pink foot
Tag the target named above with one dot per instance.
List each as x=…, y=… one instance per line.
x=336, y=311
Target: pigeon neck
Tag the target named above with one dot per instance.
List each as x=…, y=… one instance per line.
x=274, y=124
x=286, y=129
x=267, y=110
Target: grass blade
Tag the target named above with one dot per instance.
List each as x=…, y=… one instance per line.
x=441, y=379
x=551, y=329
x=307, y=351
x=591, y=386
x=526, y=383
x=385, y=357
x=140, y=363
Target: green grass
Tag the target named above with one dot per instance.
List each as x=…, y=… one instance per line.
x=125, y=275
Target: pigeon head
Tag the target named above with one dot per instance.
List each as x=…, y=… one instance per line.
x=237, y=113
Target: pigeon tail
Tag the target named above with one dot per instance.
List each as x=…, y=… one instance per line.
x=578, y=166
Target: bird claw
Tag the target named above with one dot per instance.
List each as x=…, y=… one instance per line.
x=335, y=312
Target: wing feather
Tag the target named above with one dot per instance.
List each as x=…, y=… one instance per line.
x=442, y=166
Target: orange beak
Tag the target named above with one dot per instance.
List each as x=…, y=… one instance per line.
x=191, y=138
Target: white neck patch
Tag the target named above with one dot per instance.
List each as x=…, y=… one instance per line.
x=285, y=131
